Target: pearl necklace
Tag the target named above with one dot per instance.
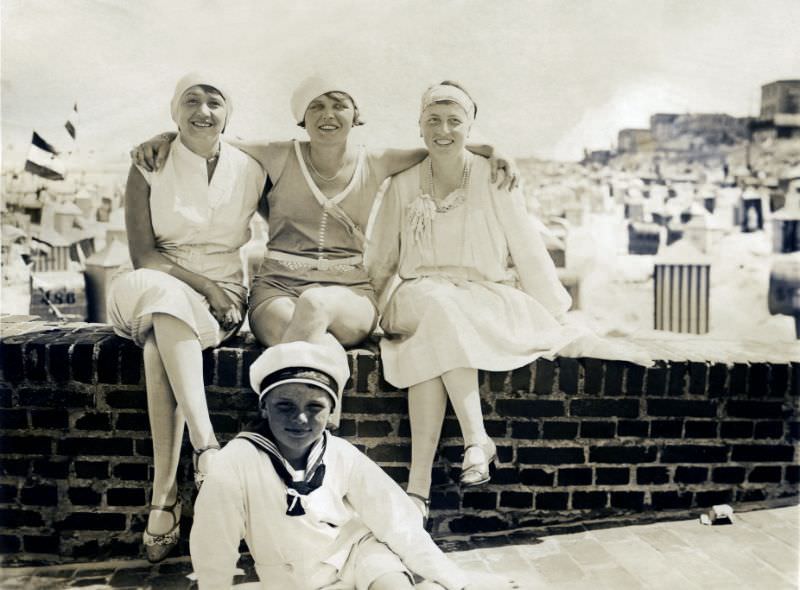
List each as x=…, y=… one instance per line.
x=317, y=172
x=442, y=207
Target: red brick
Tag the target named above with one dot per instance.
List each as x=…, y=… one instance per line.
x=13, y=419
x=690, y=474
x=666, y=429
x=627, y=500
x=522, y=500
x=736, y=429
x=763, y=453
x=227, y=368
x=694, y=454
x=765, y=474
x=90, y=521
x=655, y=380
x=550, y=455
x=738, y=379
x=635, y=428
x=652, y=475
x=604, y=407
x=589, y=500
x=575, y=476
x=560, y=430
x=551, y=500
x=700, y=429
x=544, y=372
x=521, y=379
x=778, y=380
x=50, y=419
x=712, y=498
x=681, y=408
x=597, y=429
x=532, y=408
x=36, y=360
x=728, y=474
x=754, y=409
x=593, y=376
x=769, y=429
x=480, y=500
x=617, y=454
x=91, y=469
x=41, y=495
x=126, y=497
x=536, y=477
x=472, y=524
x=84, y=496
x=615, y=372
x=9, y=544
x=677, y=378
x=568, y=375
x=697, y=378
x=671, y=500
x=758, y=380
x=612, y=475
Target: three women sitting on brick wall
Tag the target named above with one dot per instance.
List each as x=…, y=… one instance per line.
x=185, y=226
x=312, y=284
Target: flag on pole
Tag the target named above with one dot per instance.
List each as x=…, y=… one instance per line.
x=43, y=160
x=72, y=121
x=46, y=160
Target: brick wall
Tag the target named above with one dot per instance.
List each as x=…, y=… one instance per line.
x=578, y=439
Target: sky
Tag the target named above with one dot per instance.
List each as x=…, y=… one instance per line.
x=550, y=77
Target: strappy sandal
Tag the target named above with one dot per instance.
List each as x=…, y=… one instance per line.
x=157, y=547
x=424, y=506
x=199, y=476
x=480, y=472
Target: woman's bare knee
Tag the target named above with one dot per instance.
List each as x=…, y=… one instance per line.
x=391, y=581
x=269, y=321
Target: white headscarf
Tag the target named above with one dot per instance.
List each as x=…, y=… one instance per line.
x=308, y=90
x=441, y=92
x=198, y=79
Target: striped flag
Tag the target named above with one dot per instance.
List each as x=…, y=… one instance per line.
x=43, y=160
x=46, y=160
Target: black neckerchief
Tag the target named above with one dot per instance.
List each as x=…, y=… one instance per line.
x=261, y=437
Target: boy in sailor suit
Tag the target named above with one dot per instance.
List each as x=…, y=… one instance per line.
x=316, y=513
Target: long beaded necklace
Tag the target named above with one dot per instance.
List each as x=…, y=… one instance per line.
x=317, y=172
x=445, y=205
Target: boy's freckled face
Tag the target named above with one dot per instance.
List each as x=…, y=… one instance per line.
x=297, y=414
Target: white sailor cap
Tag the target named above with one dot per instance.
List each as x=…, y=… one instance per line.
x=320, y=365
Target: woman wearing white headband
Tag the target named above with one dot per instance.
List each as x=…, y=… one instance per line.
x=185, y=225
x=312, y=283
x=461, y=304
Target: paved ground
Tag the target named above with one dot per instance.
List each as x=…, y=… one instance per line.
x=761, y=550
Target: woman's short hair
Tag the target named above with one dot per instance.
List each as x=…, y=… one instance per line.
x=340, y=96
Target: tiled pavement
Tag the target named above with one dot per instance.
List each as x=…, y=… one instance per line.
x=761, y=550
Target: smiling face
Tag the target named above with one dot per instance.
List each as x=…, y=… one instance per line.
x=201, y=112
x=329, y=117
x=444, y=127
x=297, y=414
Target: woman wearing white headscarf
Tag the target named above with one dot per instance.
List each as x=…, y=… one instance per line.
x=185, y=226
x=477, y=287
x=312, y=284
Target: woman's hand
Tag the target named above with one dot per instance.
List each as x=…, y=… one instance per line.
x=226, y=312
x=152, y=154
x=511, y=176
